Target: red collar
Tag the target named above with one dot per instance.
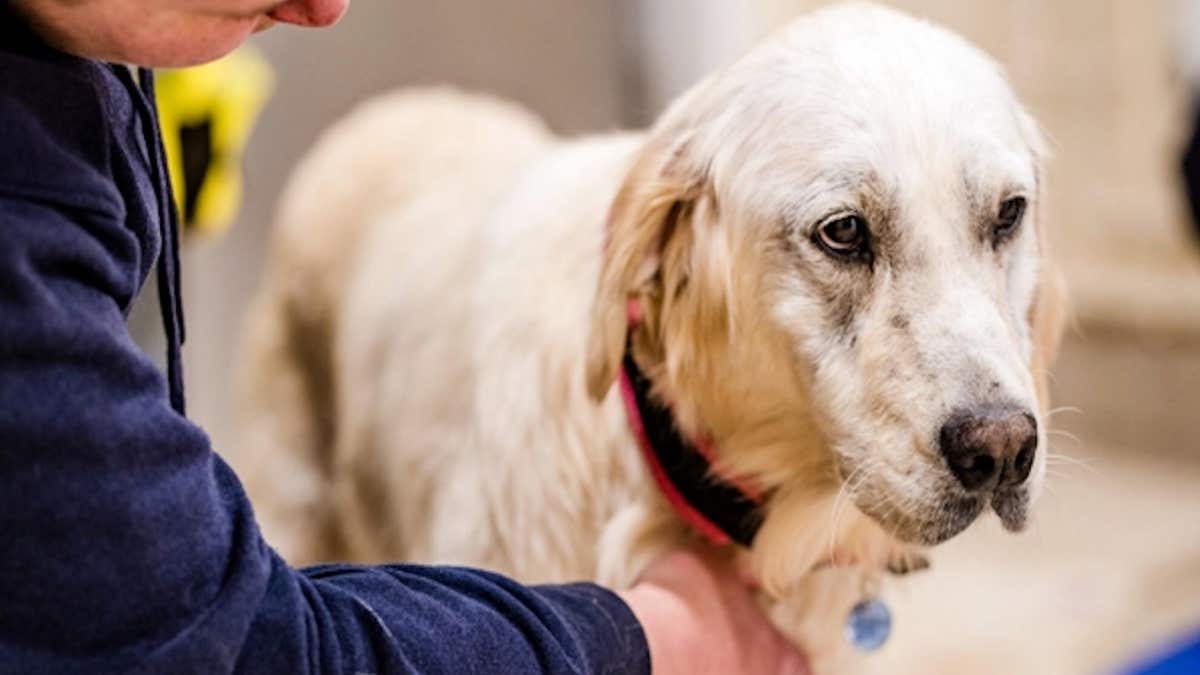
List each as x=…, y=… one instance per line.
x=719, y=508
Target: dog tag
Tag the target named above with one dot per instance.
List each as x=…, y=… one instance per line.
x=868, y=625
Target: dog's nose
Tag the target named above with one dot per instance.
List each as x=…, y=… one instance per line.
x=990, y=446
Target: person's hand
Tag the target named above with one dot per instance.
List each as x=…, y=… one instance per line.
x=700, y=617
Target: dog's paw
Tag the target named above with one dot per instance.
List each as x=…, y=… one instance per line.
x=906, y=562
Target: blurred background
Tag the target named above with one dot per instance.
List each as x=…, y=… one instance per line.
x=1111, y=570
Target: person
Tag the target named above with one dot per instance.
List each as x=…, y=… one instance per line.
x=128, y=545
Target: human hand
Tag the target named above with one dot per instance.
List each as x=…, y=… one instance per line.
x=700, y=617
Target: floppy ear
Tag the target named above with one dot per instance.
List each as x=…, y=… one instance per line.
x=655, y=197
x=1047, y=317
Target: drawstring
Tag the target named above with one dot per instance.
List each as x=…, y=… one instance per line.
x=170, y=296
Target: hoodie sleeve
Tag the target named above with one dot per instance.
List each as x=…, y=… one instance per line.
x=127, y=545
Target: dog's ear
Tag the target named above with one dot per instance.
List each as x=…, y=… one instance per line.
x=1047, y=315
x=1047, y=318
x=657, y=195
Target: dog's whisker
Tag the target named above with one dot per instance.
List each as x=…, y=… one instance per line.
x=894, y=510
x=845, y=494
x=1064, y=434
x=1058, y=459
x=1062, y=409
x=1049, y=375
x=856, y=486
x=1056, y=478
x=833, y=518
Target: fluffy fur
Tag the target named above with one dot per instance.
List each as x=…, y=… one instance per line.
x=430, y=363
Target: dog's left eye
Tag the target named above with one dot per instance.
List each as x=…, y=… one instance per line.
x=1008, y=220
x=844, y=237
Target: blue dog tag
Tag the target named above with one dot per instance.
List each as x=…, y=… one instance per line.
x=868, y=625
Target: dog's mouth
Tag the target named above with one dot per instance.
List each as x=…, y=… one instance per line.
x=1012, y=507
x=948, y=515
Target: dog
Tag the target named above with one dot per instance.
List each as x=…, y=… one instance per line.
x=825, y=265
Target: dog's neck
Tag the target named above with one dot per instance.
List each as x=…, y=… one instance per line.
x=721, y=509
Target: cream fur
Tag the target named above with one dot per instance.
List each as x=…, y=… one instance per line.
x=428, y=371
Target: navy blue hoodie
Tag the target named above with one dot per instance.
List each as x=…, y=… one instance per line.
x=126, y=544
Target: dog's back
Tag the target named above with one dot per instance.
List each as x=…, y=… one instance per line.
x=415, y=355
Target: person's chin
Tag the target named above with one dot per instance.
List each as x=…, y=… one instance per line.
x=196, y=46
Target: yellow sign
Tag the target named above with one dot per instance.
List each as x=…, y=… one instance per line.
x=206, y=114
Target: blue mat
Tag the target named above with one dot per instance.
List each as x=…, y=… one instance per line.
x=1181, y=659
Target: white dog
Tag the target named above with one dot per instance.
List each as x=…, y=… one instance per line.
x=823, y=267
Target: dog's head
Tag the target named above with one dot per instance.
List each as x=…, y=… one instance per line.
x=837, y=246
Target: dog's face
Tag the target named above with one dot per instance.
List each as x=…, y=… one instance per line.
x=908, y=285
x=869, y=187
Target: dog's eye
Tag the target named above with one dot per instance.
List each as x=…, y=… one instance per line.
x=1009, y=218
x=845, y=237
